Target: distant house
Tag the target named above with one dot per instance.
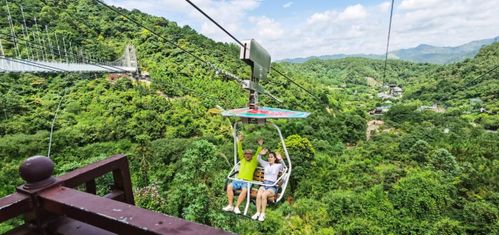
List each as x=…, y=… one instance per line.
x=385, y=96
x=434, y=108
x=145, y=76
x=380, y=110
x=115, y=76
x=376, y=111
x=477, y=105
x=395, y=91
x=483, y=110
x=475, y=101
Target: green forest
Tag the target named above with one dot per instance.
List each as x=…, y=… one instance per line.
x=421, y=171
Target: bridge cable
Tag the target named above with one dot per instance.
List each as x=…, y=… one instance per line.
x=27, y=62
x=388, y=40
x=28, y=43
x=240, y=43
x=59, y=53
x=53, y=49
x=218, y=70
x=12, y=32
x=34, y=64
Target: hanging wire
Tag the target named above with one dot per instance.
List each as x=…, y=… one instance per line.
x=34, y=64
x=213, y=21
x=40, y=41
x=25, y=32
x=50, y=43
x=59, y=53
x=211, y=65
x=1, y=48
x=53, y=121
x=388, y=40
x=30, y=63
x=12, y=32
x=475, y=80
x=240, y=43
x=67, y=54
x=36, y=51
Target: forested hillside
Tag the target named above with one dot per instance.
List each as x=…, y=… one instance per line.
x=421, y=54
x=422, y=172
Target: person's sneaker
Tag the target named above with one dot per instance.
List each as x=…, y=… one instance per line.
x=237, y=211
x=261, y=218
x=255, y=216
x=228, y=208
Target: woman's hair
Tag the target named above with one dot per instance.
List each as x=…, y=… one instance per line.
x=275, y=157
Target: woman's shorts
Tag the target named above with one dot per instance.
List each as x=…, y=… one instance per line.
x=271, y=188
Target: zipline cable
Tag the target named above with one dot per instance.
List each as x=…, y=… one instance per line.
x=486, y=73
x=388, y=40
x=232, y=76
x=240, y=43
x=211, y=65
x=212, y=20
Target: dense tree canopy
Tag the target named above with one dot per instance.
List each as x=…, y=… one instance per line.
x=421, y=172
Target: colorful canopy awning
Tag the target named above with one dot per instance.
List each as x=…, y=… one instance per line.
x=264, y=112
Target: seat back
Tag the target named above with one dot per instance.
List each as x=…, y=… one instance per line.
x=259, y=174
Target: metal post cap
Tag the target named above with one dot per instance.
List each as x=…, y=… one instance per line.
x=37, y=171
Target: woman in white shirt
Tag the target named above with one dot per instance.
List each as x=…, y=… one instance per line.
x=272, y=167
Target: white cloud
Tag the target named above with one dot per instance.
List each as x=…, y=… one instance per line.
x=287, y=5
x=419, y=4
x=322, y=17
x=353, y=29
x=268, y=29
x=231, y=14
x=353, y=13
x=385, y=6
x=363, y=29
x=156, y=7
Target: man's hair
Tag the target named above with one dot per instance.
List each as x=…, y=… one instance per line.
x=248, y=151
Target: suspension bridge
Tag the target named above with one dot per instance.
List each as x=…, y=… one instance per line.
x=35, y=49
x=126, y=64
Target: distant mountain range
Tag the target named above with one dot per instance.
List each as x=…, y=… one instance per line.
x=421, y=54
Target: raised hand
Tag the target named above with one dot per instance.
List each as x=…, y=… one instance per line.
x=240, y=137
x=278, y=156
x=264, y=151
x=260, y=141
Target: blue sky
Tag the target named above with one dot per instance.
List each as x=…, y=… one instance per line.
x=299, y=28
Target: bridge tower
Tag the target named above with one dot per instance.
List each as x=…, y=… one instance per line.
x=130, y=57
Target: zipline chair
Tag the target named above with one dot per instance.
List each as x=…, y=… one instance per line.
x=259, y=60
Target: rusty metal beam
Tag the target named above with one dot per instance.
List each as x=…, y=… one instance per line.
x=87, y=173
x=122, y=181
x=90, y=187
x=14, y=205
x=117, y=195
x=60, y=226
x=115, y=216
x=117, y=164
